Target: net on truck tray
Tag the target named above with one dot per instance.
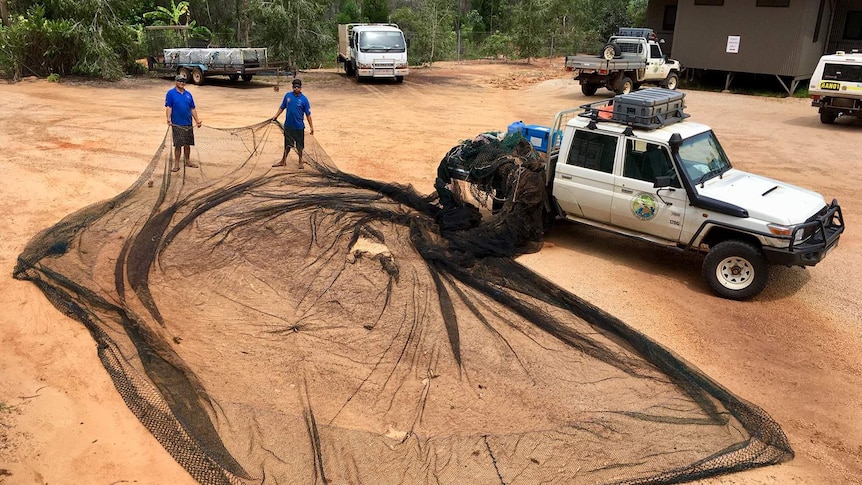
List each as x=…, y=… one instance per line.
x=311, y=326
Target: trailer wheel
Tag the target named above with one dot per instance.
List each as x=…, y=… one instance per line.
x=672, y=81
x=589, y=89
x=197, y=76
x=233, y=77
x=184, y=72
x=611, y=51
x=828, y=117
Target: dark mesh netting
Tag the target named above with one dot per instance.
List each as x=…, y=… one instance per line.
x=286, y=326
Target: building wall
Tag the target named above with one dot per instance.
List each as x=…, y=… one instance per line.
x=772, y=40
x=655, y=19
x=836, y=40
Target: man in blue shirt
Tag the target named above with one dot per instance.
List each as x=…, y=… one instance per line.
x=179, y=110
x=297, y=107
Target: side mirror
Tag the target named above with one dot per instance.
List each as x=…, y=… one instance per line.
x=407, y=43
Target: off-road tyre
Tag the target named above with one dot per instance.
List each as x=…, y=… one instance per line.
x=589, y=89
x=348, y=69
x=399, y=79
x=197, y=76
x=611, y=51
x=735, y=270
x=626, y=85
x=828, y=117
x=233, y=77
x=247, y=77
x=671, y=82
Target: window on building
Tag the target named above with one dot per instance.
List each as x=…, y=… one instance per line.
x=669, y=20
x=773, y=3
x=853, y=25
x=709, y=2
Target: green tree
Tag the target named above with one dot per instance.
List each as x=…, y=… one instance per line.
x=531, y=28
x=299, y=31
x=170, y=16
x=375, y=10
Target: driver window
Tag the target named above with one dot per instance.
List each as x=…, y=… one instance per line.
x=655, y=51
x=646, y=161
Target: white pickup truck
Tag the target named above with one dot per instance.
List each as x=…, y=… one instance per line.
x=836, y=86
x=630, y=59
x=635, y=165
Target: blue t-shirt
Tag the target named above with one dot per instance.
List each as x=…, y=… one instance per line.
x=295, y=107
x=181, y=105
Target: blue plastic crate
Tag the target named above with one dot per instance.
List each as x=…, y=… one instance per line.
x=539, y=137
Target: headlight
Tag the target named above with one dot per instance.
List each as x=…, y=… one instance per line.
x=780, y=230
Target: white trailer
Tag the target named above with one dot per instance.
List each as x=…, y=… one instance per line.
x=373, y=51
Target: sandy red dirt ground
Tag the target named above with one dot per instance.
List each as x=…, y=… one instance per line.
x=795, y=351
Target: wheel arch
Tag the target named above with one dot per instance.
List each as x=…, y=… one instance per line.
x=713, y=235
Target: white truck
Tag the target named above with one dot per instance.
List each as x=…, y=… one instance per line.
x=635, y=165
x=836, y=86
x=631, y=58
x=373, y=51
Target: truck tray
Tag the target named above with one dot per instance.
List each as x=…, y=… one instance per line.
x=649, y=108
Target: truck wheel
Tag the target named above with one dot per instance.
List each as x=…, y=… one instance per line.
x=399, y=79
x=828, y=117
x=348, y=69
x=589, y=89
x=610, y=51
x=197, y=76
x=626, y=85
x=184, y=72
x=672, y=81
x=247, y=77
x=735, y=270
x=233, y=77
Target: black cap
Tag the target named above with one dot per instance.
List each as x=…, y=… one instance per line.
x=180, y=77
x=297, y=82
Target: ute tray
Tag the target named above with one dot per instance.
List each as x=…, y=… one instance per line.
x=647, y=109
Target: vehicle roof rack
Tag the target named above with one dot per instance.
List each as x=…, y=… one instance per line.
x=647, y=109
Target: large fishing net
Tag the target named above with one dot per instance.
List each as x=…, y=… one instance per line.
x=286, y=326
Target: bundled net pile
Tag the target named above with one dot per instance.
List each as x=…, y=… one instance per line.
x=309, y=326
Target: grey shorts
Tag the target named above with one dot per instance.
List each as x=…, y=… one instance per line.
x=294, y=138
x=183, y=135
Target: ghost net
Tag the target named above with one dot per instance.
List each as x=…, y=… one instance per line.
x=282, y=326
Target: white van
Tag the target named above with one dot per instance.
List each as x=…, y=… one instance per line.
x=836, y=86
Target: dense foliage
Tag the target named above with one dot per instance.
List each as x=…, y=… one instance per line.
x=103, y=38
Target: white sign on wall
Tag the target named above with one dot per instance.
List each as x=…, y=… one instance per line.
x=732, y=44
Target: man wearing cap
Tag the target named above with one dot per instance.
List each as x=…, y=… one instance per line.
x=179, y=111
x=297, y=107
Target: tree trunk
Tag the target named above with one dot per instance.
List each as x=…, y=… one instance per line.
x=4, y=13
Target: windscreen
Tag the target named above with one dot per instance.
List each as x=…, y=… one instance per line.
x=381, y=41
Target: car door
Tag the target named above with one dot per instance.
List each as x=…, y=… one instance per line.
x=657, y=68
x=637, y=204
x=584, y=178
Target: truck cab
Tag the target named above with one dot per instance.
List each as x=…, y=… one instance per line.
x=836, y=86
x=373, y=51
x=643, y=170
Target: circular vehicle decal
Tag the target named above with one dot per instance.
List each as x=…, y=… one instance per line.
x=644, y=206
